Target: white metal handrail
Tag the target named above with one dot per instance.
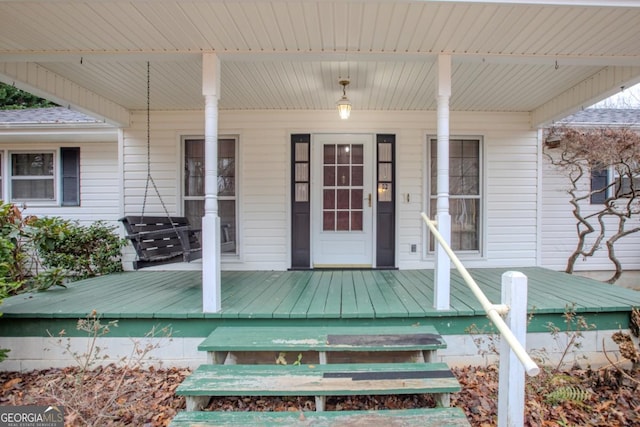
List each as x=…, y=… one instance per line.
x=493, y=310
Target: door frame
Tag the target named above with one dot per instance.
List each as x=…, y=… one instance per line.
x=384, y=209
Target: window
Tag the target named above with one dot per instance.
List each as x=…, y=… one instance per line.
x=609, y=183
x=465, y=198
x=46, y=176
x=32, y=176
x=194, y=188
x=599, y=183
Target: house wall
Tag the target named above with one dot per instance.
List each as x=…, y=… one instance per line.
x=511, y=178
x=559, y=234
x=99, y=182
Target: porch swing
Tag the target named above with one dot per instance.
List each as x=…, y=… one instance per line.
x=164, y=239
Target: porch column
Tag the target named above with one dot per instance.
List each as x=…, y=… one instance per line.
x=442, y=272
x=211, y=283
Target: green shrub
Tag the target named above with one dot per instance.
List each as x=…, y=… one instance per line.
x=78, y=251
x=38, y=253
x=15, y=253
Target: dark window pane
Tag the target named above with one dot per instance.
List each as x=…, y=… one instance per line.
x=343, y=199
x=357, y=154
x=343, y=154
x=356, y=199
x=343, y=177
x=226, y=148
x=194, y=167
x=194, y=210
x=227, y=213
x=32, y=164
x=329, y=199
x=455, y=148
x=356, y=220
x=226, y=186
x=357, y=175
x=328, y=221
x=342, y=221
x=470, y=148
x=329, y=176
x=329, y=155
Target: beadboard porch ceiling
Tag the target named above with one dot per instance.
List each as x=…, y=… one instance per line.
x=549, y=58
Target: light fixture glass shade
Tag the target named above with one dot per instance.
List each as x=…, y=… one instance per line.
x=344, y=107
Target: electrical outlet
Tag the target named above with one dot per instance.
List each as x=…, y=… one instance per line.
x=414, y=248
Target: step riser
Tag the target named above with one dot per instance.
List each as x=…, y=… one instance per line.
x=318, y=380
x=318, y=357
x=450, y=417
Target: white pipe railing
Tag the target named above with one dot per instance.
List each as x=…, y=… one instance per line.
x=493, y=310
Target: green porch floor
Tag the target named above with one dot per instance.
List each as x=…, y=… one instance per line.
x=141, y=300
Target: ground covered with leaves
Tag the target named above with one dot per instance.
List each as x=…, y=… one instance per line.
x=113, y=396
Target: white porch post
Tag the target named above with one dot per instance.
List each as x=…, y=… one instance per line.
x=211, y=282
x=442, y=273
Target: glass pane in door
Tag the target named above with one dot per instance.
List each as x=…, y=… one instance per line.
x=342, y=201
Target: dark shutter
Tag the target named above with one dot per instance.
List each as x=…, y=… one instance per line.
x=386, y=201
x=70, y=166
x=301, y=201
x=599, y=181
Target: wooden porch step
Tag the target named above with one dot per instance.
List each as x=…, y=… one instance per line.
x=451, y=417
x=317, y=380
x=423, y=339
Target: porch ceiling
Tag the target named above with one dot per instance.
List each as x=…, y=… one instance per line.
x=545, y=57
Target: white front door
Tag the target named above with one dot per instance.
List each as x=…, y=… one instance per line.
x=342, y=202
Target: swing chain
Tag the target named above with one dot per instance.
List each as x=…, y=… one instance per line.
x=149, y=177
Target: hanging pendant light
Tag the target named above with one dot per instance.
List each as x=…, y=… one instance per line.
x=343, y=104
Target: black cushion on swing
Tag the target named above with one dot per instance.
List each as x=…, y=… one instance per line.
x=162, y=240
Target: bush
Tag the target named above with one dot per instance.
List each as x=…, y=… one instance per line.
x=78, y=251
x=38, y=253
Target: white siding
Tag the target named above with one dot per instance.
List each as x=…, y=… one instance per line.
x=559, y=236
x=510, y=171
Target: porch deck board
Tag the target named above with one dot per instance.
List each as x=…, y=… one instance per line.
x=363, y=301
x=385, y=302
x=319, y=297
x=349, y=299
x=302, y=304
x=333, y=304
x=406, y=297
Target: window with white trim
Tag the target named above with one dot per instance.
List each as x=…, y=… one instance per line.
x=465, y=192
x=32, y=176
x=193, y=191
x=41, y=176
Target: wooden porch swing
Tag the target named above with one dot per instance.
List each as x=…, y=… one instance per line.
x=164, y=239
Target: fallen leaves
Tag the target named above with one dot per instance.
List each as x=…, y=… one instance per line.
x=110, y=396
x=146, y=398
